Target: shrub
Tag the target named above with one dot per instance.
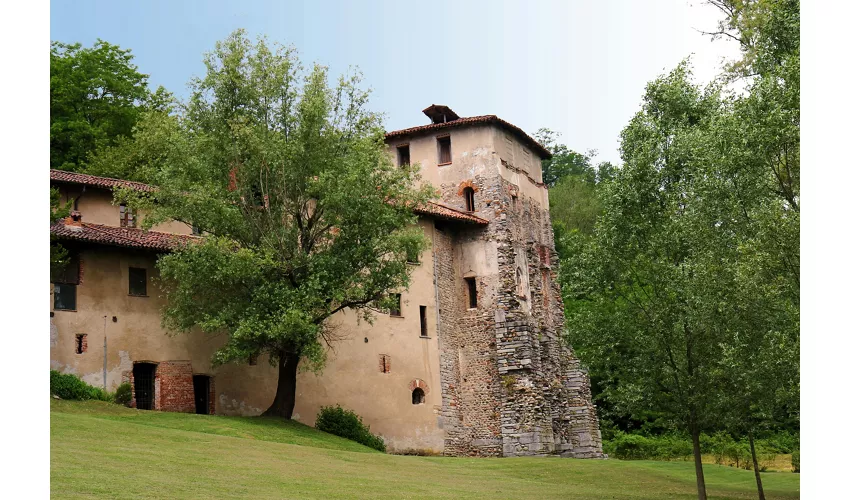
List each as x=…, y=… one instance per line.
x=795, y=460
x=124, y=394
x=69, y=386
x=345, y=423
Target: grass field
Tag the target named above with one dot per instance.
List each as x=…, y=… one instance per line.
x=103, y=450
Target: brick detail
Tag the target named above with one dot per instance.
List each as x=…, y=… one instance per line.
x=384, y=363
x=175, y=390
x=420, y=384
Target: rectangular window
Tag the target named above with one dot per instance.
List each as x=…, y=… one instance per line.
x=423, y=321
x=403, y=155
x=252, y=360
x=384, y=363
x=395, y=309
x=68, y=274
x=472, y=292
x=138, y=281
x=444, y=150
x=80, y=343
x=196, y=230
x=64, y=297
x=128, y=216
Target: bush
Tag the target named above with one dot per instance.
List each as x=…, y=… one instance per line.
x=345, y=423
x=68, y=386
x=124, y=394
x=795, y=460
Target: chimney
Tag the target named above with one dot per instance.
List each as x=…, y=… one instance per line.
x=74, y=220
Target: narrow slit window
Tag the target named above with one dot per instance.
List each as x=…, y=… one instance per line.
x=469, y=198
x=395, y=308
x=472, y=292
x=80, y=343
x=444, y=150
x=138, y=281
x=403, y=155
x=423, y=321
x=128, y=216
x=384, y=363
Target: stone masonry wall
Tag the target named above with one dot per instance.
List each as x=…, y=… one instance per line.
x=511, y=386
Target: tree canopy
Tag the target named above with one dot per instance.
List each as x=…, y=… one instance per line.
x=303, y=212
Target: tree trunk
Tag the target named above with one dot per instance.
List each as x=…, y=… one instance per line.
x=284, y=399
x=756, y=465
x=698, y=462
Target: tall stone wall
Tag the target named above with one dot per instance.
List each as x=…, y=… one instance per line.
x=511, y=386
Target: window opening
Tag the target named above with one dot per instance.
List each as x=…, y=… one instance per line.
x=403, y=155
x=81, y=345
x=138, y=281
x=423, y=321
x=469, y=198
x=444, y=150
x=395, y=309
x=128, y=216
x=418, y=396
x=472, y=292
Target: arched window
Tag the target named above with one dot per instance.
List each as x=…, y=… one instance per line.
x=469, y=197
x=418, y=396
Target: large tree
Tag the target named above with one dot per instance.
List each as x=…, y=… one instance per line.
x=303, y=212
x=96, y=96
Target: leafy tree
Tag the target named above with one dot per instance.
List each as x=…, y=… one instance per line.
x=564, y=162
x=96, y=96
x=58, y=254
x=304, y=213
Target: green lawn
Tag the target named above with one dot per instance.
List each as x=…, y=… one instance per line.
x=103, y=450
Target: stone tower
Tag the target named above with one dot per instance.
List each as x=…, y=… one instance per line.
x=510, y=386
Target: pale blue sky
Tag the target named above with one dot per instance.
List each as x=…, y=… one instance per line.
x=577, y=67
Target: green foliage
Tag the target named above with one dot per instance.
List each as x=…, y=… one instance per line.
x=58, y=254
x=96, y=96
x=795, y=460
x=69, y=386
x=124, y=394
x=289, y=177
x=566, y=162
x=345, y=423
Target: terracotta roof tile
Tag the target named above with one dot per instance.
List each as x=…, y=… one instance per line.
x=94, y=180
x=443, y=212
x=473, y=120
x=120, y=236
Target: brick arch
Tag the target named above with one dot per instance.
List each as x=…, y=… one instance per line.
x=418, y=382
x=466, y=184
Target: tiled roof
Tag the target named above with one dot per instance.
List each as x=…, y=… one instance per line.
x=120, y=236
x=473, y=120
x=94, y=180
x=439, y=211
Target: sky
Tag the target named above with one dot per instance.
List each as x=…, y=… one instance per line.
x=576, y=67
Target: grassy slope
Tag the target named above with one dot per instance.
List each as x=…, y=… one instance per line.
x=109, y=451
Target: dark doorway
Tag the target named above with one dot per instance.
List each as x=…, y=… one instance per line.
x=143, y=378
x=202, y=394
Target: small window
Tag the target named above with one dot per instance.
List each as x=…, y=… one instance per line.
x=423, y=321
x=252, y=360
x=519, y=288
x=196, y=230
x=64, y=297
x=469, y=198
x=80, y=343
x=403, y=155
x=472, y=292
x=444, y=150
x=412, y=257
x=128, y=216
x=418, y=396
x=395, y=309
x=68, y=274
x=384, y=363
x=138, y=281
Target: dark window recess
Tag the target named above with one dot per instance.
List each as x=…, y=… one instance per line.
x=418, y=396
x=128, y=216
x=143, y=383
x=444, y=149
x=423, y=321
x=472, y=292
x=395, y=309
x=138, y=281
x=80, y=343
x=68, y=274
x=469, y=198
x=196, y=230
x=403, y=155
x=384, y=363
x=201, y=384
x=252, y=360
x=64, y=297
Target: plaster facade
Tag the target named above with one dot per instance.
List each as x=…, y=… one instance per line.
x=496, y=376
